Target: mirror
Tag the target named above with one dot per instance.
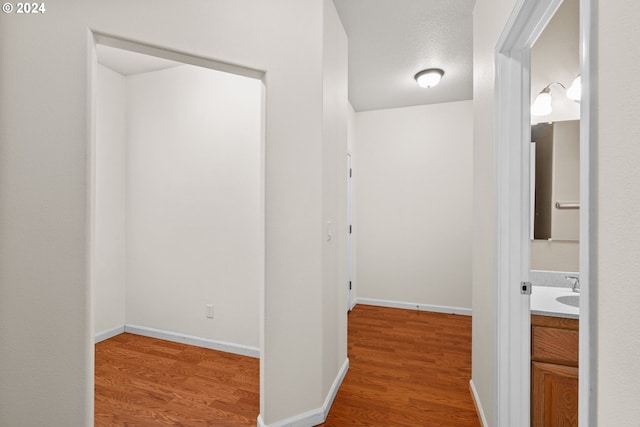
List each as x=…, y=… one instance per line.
x=555, y=154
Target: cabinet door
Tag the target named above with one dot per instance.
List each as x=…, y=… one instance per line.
x=554, y=395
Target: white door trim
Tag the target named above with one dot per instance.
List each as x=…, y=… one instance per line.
x=588, y=236
x=350, y=293
x=513, y=323
x=512, y=369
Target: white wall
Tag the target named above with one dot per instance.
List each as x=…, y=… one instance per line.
x=555, y=255
x=351, y=130
x=618, y=199
x=335, y=117
x=108, y=282
x=45, y=326
x=414, y=192
x=46, y=360
x=194, y=209
x=489, y=19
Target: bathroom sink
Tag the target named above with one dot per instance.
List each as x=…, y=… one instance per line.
x=572, y=300
x=555, y=301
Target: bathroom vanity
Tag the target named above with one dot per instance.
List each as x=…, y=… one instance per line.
x=554, y=357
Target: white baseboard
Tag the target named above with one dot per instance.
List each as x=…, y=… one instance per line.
x=243, y=350
x=315, y=416
x=415, y=306
x=333, y=391
x=478, y=404
x=110, y=333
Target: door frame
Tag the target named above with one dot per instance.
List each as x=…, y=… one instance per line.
x=350, y=299
x=512, y=124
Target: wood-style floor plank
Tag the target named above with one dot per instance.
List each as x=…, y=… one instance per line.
x=407, y=368
x=145, y=382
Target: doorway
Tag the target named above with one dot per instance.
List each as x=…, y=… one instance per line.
x=513, y=162
x=177, y=229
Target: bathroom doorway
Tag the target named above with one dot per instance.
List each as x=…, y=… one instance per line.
x=177, y=230
x=513, y=67
x=555, y=209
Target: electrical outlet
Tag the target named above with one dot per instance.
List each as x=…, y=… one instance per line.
x=210, y=311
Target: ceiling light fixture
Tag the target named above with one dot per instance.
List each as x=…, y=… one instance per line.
x=429, y=78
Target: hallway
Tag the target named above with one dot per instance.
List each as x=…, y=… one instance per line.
x=407, y=368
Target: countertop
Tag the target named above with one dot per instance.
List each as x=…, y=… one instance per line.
x=543, y=302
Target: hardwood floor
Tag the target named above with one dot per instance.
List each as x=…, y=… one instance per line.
x=407, y=368
x=146, y=382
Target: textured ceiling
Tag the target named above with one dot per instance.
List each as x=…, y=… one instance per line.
x=391, y=40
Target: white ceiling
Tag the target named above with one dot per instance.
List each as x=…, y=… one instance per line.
x=391, y=40
x=128, y=63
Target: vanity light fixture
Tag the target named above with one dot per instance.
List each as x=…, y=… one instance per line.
x=574, y=92
x=542, y=104
x=429, y=77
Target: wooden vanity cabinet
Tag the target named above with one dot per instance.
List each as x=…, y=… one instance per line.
x=554, y=372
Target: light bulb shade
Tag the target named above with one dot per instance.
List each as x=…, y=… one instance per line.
x=542, y=105
x=574, y=92
x=429, y=78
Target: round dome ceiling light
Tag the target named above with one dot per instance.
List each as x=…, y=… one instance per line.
x=429, y=77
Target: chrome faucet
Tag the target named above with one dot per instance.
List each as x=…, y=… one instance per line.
x=575, y=281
